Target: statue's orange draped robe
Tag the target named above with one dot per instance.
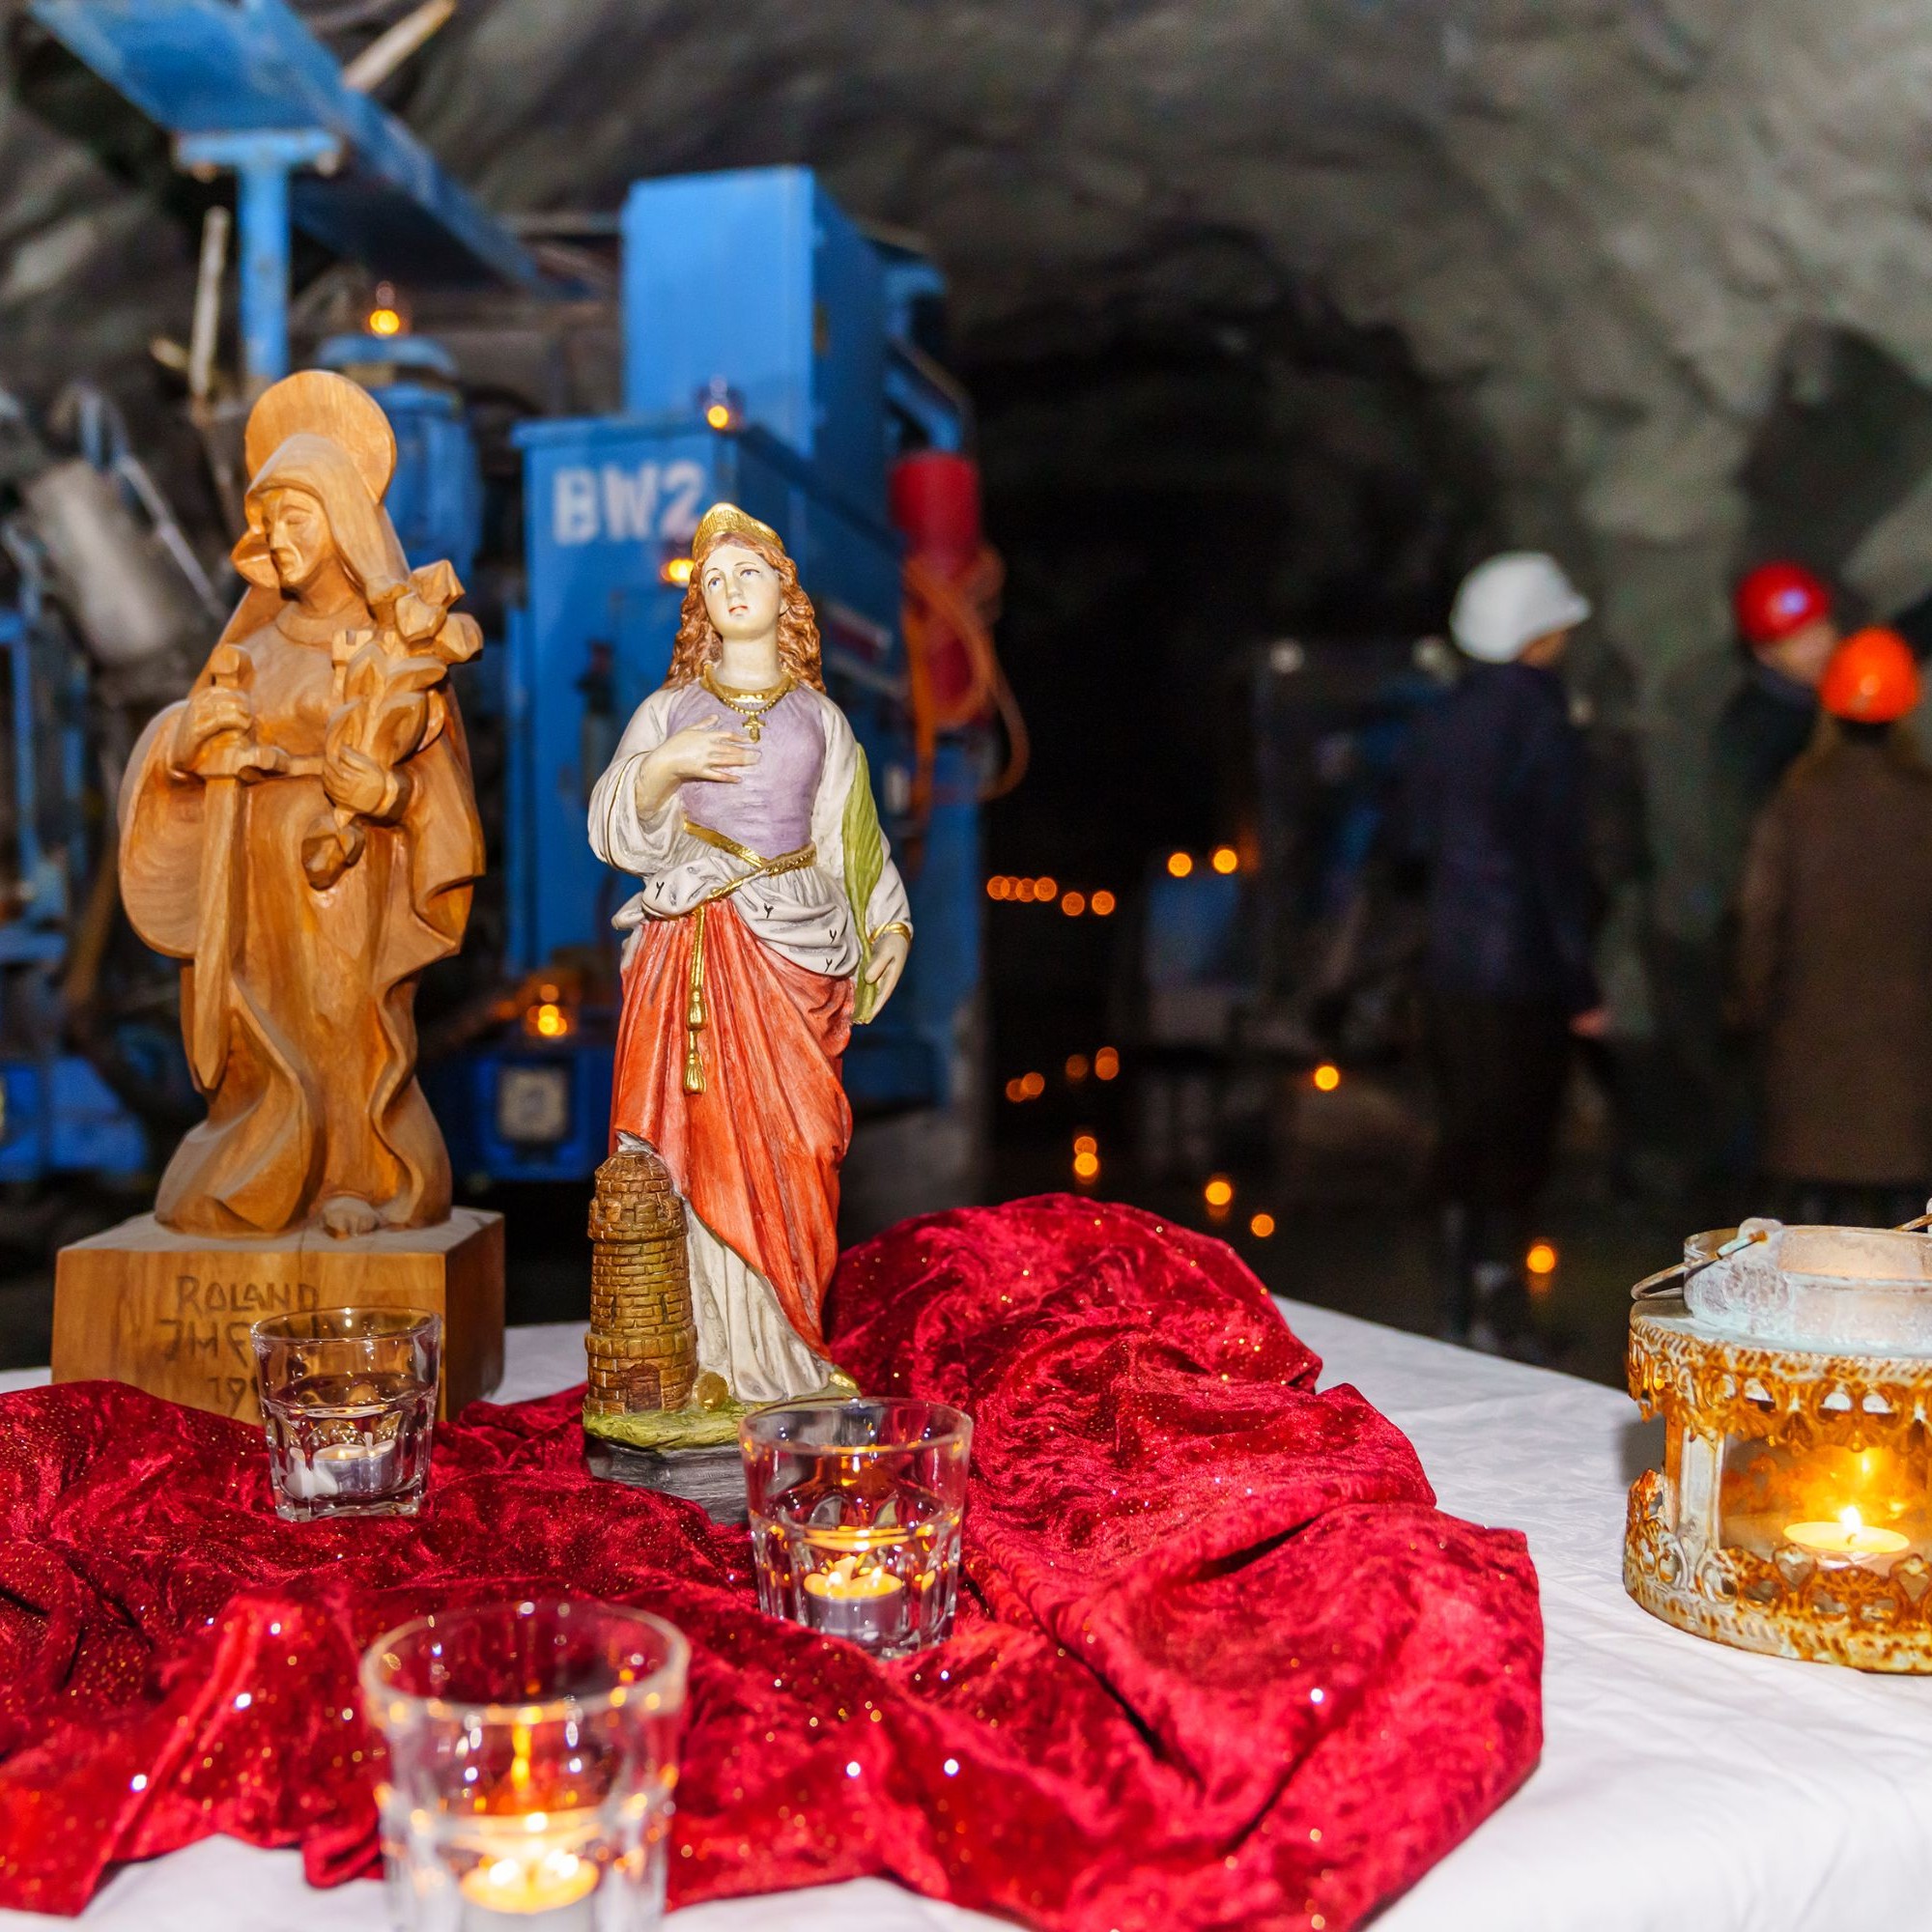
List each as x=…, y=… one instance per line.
x=318, y=1097
x=756, y=1153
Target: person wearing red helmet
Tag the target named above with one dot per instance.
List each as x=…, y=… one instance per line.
x=1834, y=950
x=1784, y=618
x=1784, y=612
x=1731, y=724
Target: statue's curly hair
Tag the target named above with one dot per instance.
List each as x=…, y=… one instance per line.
x=697, y=640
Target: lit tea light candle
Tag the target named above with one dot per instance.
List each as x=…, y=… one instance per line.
x=1850, y=1539
x=855, y=1598
x=538, y=1888
x=344, y=1470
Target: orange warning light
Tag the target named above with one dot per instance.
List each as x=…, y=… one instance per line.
x=1225, y=859
x=1327, y=1076
x=1101, y=904
x=1541, y=1258
x=1179, y=865
x=1261, y=1227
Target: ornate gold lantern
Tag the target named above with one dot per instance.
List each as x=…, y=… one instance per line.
x=1793, y=1513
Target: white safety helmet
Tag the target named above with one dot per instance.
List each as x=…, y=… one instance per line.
x=1511, y=601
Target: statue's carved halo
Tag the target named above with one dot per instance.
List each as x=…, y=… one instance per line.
x=321, y=402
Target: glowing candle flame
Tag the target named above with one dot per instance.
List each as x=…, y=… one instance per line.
x=1849, y=1537
x=846, y=1578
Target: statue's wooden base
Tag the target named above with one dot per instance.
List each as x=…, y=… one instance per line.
x=171, y=1313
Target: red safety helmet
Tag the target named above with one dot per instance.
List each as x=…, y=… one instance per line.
x=1873, y=678
x=1776, y=599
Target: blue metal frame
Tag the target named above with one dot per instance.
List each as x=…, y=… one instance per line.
x=262, y=160
x=57, y=1114
x=215, y=67
x=243, y=84
x=36, y=935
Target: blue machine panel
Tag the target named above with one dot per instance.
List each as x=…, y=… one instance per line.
x=59, y=1116
x=436, y=501
x=523, y=1112
x=757, y=281
x=436, y=496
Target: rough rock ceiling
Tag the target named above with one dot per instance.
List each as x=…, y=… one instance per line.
x=1608, y=226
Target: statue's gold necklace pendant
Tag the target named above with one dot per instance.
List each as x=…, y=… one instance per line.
x=749, y=706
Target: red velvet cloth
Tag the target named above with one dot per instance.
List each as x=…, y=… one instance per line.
x=1221, y=1664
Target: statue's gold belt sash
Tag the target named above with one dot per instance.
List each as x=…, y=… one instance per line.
x=756, y=867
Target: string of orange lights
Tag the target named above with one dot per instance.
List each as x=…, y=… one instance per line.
x=1046, y=890
x=1224, y=859
x=1105, y=1065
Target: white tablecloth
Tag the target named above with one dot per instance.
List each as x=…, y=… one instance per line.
x=1682, y=1788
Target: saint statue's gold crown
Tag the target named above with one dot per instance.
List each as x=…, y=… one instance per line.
x=726, y=520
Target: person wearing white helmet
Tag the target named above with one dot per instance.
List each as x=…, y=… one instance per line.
x=1518, y=608
x=1491, y=810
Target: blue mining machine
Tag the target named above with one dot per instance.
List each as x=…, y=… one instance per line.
x=788, y=399
x=769, y=356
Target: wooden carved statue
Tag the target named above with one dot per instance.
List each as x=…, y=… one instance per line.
x=770, y=917
x=300, y=830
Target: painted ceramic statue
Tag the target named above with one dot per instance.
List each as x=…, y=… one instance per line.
x=770, y=917
x=302, y=830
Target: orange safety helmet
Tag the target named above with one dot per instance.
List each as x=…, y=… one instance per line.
x=1873, y=678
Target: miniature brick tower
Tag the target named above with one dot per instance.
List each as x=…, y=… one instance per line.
x=643, y=1340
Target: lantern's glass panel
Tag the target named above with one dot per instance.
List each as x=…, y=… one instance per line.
x=1764, y=1489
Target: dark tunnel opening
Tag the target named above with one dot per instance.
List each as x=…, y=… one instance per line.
x=1168, y=500
x=1180, y=503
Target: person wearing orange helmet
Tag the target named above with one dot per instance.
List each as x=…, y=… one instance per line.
x=1834, y=950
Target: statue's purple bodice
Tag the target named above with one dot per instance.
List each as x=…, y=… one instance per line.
x=769, y=810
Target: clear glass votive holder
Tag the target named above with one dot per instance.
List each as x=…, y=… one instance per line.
x=855, y=1511
x=531, y=1758
x=349, y=1406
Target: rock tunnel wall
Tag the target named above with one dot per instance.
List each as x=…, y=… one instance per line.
x=1660, y=254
